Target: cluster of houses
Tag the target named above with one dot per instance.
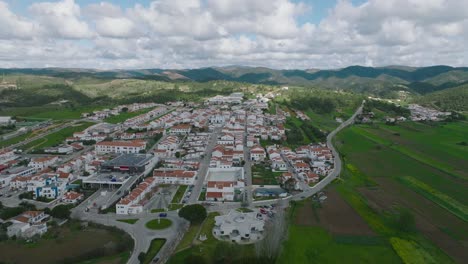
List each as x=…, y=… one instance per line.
x=136, y=121
x=105, y=113
x=421, y=113
x=97, y=133
x=134, y=202
x=301, y=115
x=28, y=224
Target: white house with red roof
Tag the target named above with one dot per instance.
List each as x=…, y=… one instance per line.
x=72, y=197
x=257, y=154
x=134, y=202
x=181, y=129
x=132, y=146
x=183, y=177
x=43, y=162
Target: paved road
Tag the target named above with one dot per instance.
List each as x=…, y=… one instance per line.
x=138, y=231
x=247, y=166
x=331, y=176
x=204, y=165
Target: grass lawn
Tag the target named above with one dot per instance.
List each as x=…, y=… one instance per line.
x=158, y=224
x=202, y=196
x=179, y=194
x=188, y=238
x=57, y=137
x=153, y=250
x=128, y=221
x=264, y=176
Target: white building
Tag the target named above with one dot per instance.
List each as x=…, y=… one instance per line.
x=223, y=183
x=6, y=121
x=239, y=227
x=175, y=177
x=133, y=203
x=124, y=147
x=42, y=162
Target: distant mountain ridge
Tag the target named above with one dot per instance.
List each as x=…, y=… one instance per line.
x=357, y=78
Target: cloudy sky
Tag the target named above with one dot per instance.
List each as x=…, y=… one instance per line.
x=282, y=34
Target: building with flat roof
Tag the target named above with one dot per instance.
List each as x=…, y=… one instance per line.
x=222, y=184
x=131, y=163
x=116, y=172
x=131, y=146
x=239, y=227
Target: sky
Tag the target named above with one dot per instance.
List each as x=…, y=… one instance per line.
x=280, y=34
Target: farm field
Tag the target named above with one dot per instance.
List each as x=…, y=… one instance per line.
x=57, y=137
x=385, y=172
x=316, y=241
x=70, y=243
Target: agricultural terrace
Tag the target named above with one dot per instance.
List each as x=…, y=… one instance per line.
x=317, y=232
x=390, y=179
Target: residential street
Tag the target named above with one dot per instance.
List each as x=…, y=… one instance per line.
x=204, y=165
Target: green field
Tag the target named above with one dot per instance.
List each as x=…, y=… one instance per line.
x=390, y=167
x=308, y=244
x=56, y=138
x=14, y=140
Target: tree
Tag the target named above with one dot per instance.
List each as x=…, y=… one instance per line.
x=195, y=213
x=290, y=185
x=61, y=211
x=177, y=154
x=141, y=257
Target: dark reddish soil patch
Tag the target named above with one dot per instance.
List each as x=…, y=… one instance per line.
x=305, y=215
x=340, y=218
x=428, y=216
x=335, y=215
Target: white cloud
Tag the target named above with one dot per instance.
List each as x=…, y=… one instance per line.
x=13, y=26
x=61, y=19
x=200, y=33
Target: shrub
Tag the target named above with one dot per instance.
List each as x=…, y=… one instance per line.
x=194, y=213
